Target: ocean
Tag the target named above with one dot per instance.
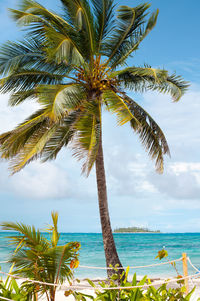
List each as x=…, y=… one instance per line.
x=134, y=249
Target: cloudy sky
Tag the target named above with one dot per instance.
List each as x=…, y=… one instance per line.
x=138, y=196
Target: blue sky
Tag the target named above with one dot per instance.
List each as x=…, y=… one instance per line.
x=137, y=195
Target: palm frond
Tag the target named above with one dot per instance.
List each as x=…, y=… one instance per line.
x=80, y=16
x=61, y=48
x=21, y=96
x=63, y=135
x=24, y=66
x=11, y=143
x=30, y=236
x=15, y=55
x=103, y=12
x=60, y=100
x=32, y=149
x=28, y=54
x=144, y=72
x=25, y=18
x=135, y=40
x=55, y=234
x=50, y=265
x=37, y=137
x=149, y=132
x=126, y=20
x=118, y=106
x=130, y=20
x=40, y=12
x=25, y=79
x=86, y=140
x=174, y=85
x=41, y=21
x=148, y=78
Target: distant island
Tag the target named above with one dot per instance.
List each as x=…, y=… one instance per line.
x=135, y=230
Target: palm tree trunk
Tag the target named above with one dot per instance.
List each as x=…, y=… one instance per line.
x=108, y=240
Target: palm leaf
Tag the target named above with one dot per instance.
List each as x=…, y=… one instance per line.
x=24, y=79
x=32, y=149
x=13, y=55
x=127, y=17
x=28, y=54
x=148, y=78
x=149, y=133
x=86, y=141
x=36, y=9
x=28, y=234
x=60, y=100
x=136, y=39
x=55, y=234
x=80, y=16
x=63, y=135
x=41, y=21
x=173, y=85
x=156, y=75
x=24, y=18
x=12, y=142
x=103, y=11
x=37, y=259
x=117, y=105
x=21, y=96
x=129, y=24
x=61, y=48
x=36, y=137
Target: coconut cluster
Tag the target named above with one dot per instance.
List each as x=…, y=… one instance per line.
x=97, y=77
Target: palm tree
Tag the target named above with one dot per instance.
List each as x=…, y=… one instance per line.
x=38, y=258
x=70, y=64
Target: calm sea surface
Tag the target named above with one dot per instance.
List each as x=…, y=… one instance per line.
x=133, y=249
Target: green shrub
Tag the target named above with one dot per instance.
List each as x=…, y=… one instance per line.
x=163, y=293
x=12, y=290
x=37, y=258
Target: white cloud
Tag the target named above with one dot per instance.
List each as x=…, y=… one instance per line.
x=179, y=121
x=179, y=167
x=180, y=180
x=126, y=172
x=147, y=186
x=41, y=181
x=12, y=116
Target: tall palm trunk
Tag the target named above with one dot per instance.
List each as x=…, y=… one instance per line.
x=108, y=240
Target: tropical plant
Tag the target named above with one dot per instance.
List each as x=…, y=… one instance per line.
x=10, y=289
x=108, y=291
x=164, y=254
x=70, y=64
x=41, y=259
x=165, y=293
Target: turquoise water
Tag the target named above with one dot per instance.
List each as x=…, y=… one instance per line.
x=133, y=249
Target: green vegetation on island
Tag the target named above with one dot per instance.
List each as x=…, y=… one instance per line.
x=135, y=230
